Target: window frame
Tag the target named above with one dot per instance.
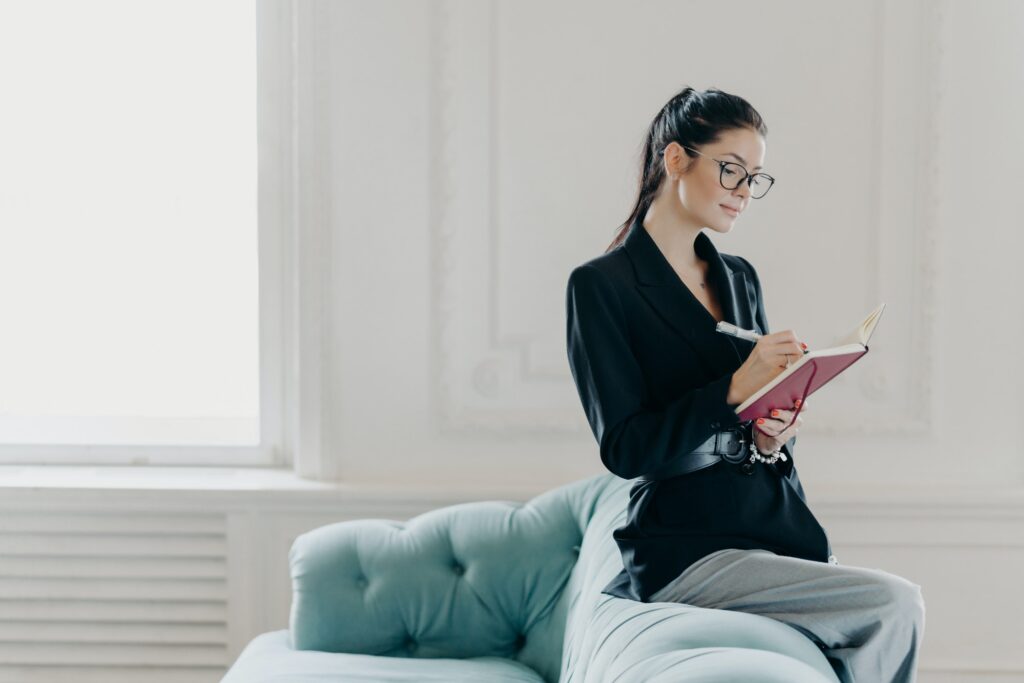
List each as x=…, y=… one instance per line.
x=292, y=231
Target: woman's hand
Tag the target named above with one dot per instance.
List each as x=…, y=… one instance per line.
x=769, y=433
x=766, y=360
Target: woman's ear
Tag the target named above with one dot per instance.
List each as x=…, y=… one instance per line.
x=674, y=160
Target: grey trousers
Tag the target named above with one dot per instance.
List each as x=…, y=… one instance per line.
x=868, y=623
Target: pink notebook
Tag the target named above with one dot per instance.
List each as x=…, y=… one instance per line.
x=813, y=371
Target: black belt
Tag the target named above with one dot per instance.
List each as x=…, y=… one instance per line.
x=729, y=444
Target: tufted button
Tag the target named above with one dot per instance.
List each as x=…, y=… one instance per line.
x=411, y=644
x=361, y=582
x=520, y=641
x=458, y=569
x=575, y=550
x=747, y=468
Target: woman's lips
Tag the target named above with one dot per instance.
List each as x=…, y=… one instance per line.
x=731, y=212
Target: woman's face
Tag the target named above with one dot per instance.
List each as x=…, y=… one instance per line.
x=701, y=197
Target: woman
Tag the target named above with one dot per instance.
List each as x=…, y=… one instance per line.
x=717, y=516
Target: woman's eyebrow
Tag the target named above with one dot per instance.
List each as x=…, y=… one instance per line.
x=742, y=160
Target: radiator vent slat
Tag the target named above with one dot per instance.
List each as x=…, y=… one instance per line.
x=189, y=590
x=112, y=567
x=111, y=523
x=109, y=674
x=112, y=632
x=110, y=654
x=95, y=611
x=97, y=545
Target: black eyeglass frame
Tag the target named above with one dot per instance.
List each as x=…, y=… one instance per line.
x=747, y=177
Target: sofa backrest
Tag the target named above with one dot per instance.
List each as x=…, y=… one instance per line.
x=588, y=616
x=476, y=579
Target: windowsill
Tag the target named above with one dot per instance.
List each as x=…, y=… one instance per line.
x=100, y=479
x=159, y=478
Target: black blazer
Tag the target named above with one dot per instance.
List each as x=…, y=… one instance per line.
x=653, y=376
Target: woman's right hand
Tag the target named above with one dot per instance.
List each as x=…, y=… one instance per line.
x=766, y=360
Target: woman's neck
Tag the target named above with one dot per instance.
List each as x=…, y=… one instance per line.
x=674, y=237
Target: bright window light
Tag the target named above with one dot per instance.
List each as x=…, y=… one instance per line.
x=128, y=234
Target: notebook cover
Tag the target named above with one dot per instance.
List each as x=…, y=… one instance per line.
x=814, y=374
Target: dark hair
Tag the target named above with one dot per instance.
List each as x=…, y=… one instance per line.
x=691, y=119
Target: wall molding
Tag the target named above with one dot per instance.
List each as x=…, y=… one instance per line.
x=508, y=384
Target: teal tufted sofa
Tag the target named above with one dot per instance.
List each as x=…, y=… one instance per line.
x=505, y=592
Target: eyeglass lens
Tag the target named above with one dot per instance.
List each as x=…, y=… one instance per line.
x=732, y=174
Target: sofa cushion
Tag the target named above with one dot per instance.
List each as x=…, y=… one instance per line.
x=608, y=637
x=470, y=580
x=269, y=658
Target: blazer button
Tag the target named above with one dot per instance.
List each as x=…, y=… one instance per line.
x=715, y=425
x=747, y=468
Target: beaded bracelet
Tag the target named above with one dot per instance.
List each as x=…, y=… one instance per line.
x=757, y=456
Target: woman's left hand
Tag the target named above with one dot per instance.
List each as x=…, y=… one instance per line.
x=769, y=433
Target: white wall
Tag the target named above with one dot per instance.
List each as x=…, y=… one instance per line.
x=481, y=150
x=484, y=149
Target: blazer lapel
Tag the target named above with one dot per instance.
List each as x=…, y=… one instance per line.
x=659, y=284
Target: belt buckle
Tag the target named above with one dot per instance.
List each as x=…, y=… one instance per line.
x=741, y=437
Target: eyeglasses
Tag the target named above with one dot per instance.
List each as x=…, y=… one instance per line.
x=731, y=174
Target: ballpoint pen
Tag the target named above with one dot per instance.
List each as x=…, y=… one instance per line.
x=732, y=330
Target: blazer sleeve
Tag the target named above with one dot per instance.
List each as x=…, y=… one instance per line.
x=635, y=440
x=762, y=321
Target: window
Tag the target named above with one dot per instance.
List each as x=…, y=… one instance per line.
x=129, y=263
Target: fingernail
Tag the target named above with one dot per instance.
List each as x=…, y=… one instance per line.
x=760, y=421
x=797, y=402
x=803, y=345
x=775, y=413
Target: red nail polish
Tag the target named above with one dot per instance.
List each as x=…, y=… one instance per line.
x=775, y=413
x=760, y=421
